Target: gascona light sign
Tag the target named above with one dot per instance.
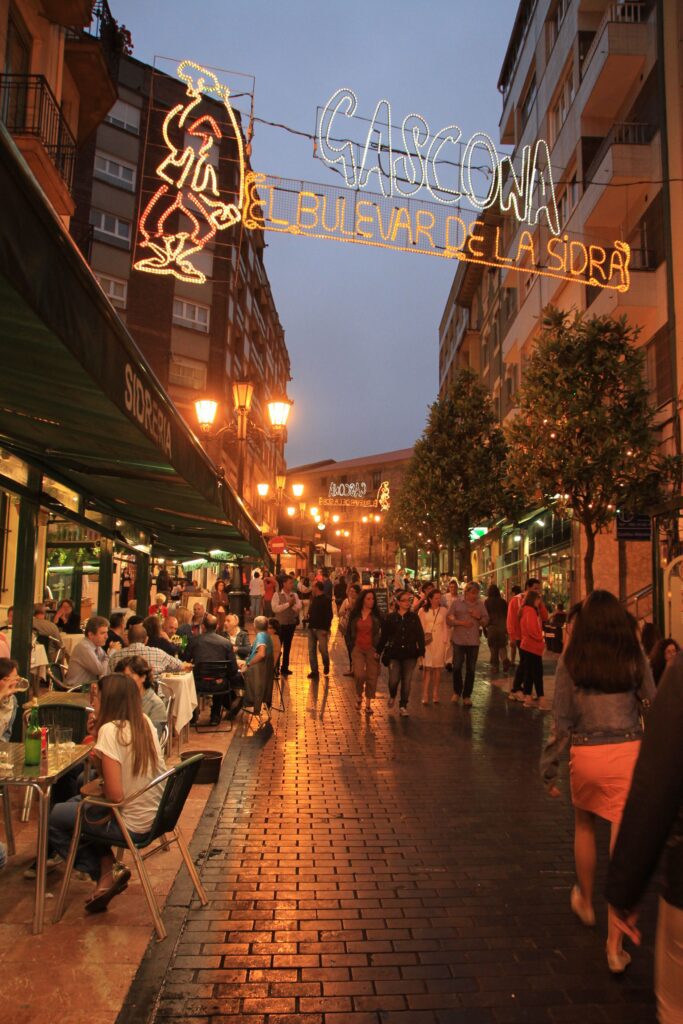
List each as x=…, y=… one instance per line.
x=402, y=188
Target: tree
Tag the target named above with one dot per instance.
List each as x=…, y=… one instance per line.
x=583, y=438
x=456, y=477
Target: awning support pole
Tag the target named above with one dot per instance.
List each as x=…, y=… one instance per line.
x=25, y=578
x=106, y=577
x=142, y=582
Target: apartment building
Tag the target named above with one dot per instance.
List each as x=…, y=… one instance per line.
x=596, y=80
x=198, y=337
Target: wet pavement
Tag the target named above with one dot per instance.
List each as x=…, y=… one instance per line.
x=378, y=870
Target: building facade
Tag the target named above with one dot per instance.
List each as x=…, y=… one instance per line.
x=199, y=337
x=598, y=82
x=338, y=519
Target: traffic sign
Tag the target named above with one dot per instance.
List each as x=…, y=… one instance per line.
x=277, y=545
x=633, y=527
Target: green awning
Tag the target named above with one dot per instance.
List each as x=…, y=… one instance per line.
x=78, y=399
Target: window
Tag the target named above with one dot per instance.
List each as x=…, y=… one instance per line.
x=376, y=480
x=187, y=373
x=555, y=20
x=113, y=228
x=528, y=101
x=118, y=172
x=562, y=105
x=124, y=115
x=191, y=314
x=658, y=367
x=115, y=289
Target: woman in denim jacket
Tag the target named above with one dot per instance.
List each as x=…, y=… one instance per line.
x=602, y=679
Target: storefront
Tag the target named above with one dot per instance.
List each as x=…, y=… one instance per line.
x=89, y=441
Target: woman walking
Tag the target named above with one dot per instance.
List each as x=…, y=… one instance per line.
x=436, y=633
x=344, y=615
x=601, y=679
x=403, y=641
x=364, y=630
x=531, y=646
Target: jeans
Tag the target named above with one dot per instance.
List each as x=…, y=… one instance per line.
x=464, y=654
x=533, y=665
x=256, y=601
x=318, y=638
x=95, y=839
x=365, y=670
x=401, y=671
x=286, y=637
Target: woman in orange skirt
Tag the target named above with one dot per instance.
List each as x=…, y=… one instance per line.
x=601, y=681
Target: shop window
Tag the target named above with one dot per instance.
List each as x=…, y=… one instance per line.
x=115, y=171
x=109, y=228
x=191, y=314
x=115, y=289
x=126, y=116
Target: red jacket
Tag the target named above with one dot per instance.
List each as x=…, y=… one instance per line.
x=531, y=630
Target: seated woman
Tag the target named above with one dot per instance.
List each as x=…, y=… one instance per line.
x=66, y=619
x=137, y=669
x=156, y=637
x=237, y=636
x=130, y=758
x=9, y=680
x=663, y=653
x=258, y=672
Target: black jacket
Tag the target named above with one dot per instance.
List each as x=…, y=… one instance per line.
x=320, y=613
x=210, y=647
x=653, y=816
x=402, y=637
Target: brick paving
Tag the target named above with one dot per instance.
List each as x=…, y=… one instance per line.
x=388, y=870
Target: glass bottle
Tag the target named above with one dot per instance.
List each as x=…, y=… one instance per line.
x=33, y=738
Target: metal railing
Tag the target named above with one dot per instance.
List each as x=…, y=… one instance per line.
x=634, y=12
x=28, y=107
x=622, y=133
x=115, y=39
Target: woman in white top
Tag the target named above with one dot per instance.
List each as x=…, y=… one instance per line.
x=129, y=757
x=435, y=626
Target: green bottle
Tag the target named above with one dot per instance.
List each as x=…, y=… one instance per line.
x=33, y=738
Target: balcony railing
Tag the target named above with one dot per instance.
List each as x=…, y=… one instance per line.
x=633, y=12
x=623, y=133
x=115, y=38
x=28, y=108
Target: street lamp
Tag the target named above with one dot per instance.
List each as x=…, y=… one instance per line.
x=297, y=490
x=262, y=490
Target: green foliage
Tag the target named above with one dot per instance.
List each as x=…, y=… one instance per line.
x=457, y=476
x=585, y=428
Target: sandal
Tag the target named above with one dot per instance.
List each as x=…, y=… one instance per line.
x=99, y=902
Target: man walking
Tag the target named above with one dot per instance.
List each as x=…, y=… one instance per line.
x=286, y=606
x=319, y=623
x=468, y=616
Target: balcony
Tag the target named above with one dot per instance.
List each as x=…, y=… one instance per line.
x=615, y=59
x=620, y=174
x=92, y=57
x=31, y=114
x=68, y=13
x=644, y=304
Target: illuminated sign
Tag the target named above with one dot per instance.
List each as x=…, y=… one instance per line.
x=141, y=404
x=449, y=169
x=355, y=496
x=433, y=229
x=192, y=133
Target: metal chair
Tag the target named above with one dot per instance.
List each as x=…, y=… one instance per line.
x=211, y=680
x=177, y=783
x=70, y=716
x=166, y=735
x=7, y=815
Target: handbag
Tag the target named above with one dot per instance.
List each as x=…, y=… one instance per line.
x=430, y=636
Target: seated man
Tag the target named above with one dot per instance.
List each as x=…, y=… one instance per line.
x=117, y=632
x=141, y=674
x=88, y=661
x=159, y=661
x=208, y=647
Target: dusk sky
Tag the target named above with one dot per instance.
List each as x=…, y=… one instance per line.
x=361, y=323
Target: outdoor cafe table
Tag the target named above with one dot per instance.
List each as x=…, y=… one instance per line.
x=41, y=779
x=184, y=697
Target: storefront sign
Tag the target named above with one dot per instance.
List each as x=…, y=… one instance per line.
x=356, y=490
x=142, y=407
x=354, y=495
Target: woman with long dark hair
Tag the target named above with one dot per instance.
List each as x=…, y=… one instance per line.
x=531, y=647
x=156, y=637
x=436, y=631
x=401, y=643
x=496, y=630
x=129, y=758
x=219, y=597
x=364, y=629
x=601, y=680
x=348, y=603
x=663, y=654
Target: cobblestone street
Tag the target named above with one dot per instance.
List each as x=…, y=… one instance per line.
x=383, y=869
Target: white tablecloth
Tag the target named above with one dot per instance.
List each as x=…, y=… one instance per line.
x=185, y=697
x=70, y=640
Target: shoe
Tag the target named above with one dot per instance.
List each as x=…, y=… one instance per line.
x=449, y=666
x=529, y=702
x=326, y=672
x=391, y=702
x=425, y=702
x=215, y=720
x=586, y=915
x=359, y=704
x=519, y=695
x=436, y=700
x=50, y=864
x=455, y=698
x=543, y=704
x=285, y=672
x=618, y=962
x=313, y=675
x=404, y=712
x=467, y=702
x=96, y=904
x=369, y=710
